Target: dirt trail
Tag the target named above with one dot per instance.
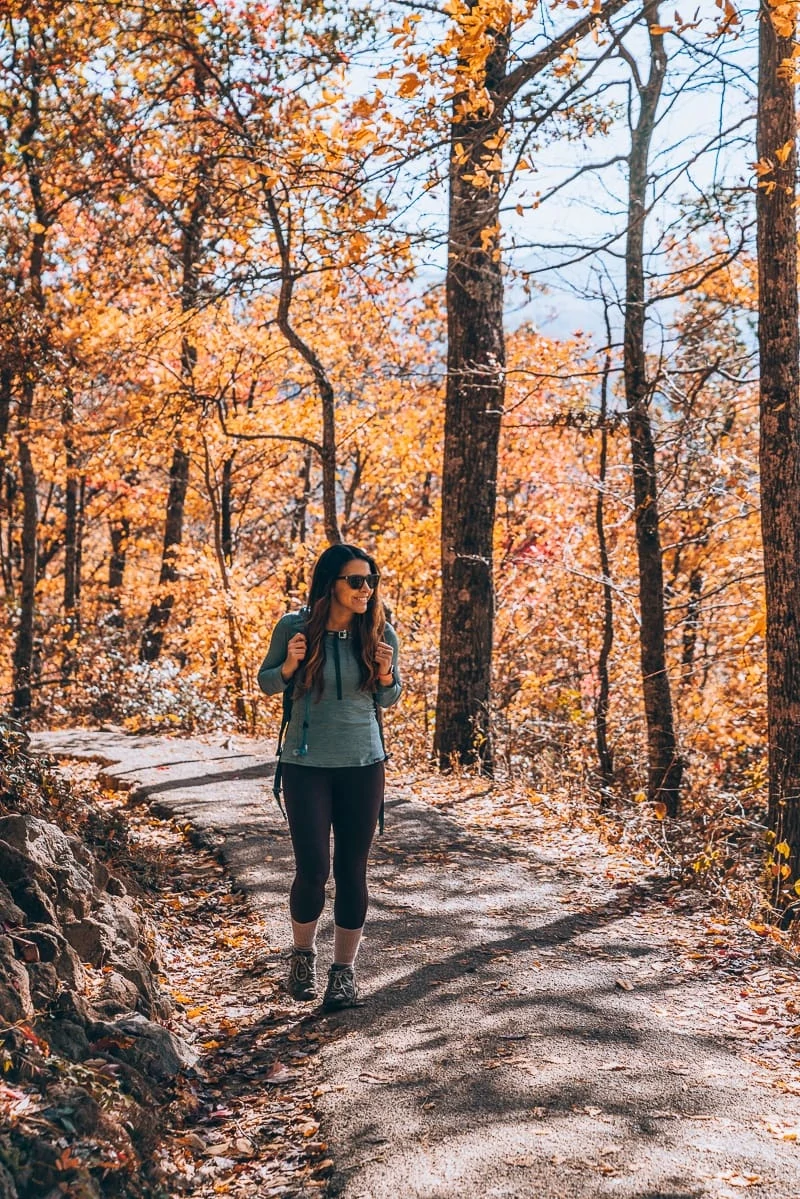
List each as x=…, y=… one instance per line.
x=526, y=1031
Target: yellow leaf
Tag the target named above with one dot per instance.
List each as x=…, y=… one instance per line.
x=363, y=138
x=38, y=227
x=409, y=86
x=783, y=848
x=784, y=151
x=639, y=797
x=659, y=810
x=659, y=30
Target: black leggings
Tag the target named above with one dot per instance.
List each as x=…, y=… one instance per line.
x=347, y=799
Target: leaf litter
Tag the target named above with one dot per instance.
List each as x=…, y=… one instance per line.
x=244, y=1122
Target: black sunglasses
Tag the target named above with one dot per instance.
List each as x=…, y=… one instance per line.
x=356, y=582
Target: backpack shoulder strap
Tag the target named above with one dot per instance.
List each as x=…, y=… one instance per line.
x=286, y=716
x=379, y=718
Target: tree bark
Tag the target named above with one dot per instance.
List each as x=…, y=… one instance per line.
x=24, y=644
x=23, y=648
x=299, y=516
x=226, y=509
x=243, y=719
x=474, y=400
x=605, y=756
x=71, y=549
x=691, y=624
x=475, y=393
x=119, y=531
x=665, y=767
x=779, y=451
x=161, y=607
x=7, y=484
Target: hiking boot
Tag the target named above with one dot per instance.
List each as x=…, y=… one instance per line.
x=341, y=990
x=302, y=982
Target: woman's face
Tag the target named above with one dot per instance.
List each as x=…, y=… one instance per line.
x=347, y=599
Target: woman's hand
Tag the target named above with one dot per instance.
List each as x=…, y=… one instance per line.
x=295, y=653
x=384, y=657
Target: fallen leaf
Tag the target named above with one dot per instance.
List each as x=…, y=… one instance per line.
x=278, y=1073
x=742, y=1180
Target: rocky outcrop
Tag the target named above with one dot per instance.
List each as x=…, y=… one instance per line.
x=58, y=914
x=78, y=984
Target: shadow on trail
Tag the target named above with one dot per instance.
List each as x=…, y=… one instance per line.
x=147, y=791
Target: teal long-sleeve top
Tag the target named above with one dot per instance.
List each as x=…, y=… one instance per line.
x=341, y=725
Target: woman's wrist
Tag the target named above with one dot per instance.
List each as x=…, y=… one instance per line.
x=286, y=677
x=386, y=680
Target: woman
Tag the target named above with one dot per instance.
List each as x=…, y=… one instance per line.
x=339, y=657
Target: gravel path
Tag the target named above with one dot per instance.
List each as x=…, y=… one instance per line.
x=527, y=1031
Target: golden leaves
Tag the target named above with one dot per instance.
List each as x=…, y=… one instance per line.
x=410, y=84
x=784, y=17
x=783, y=152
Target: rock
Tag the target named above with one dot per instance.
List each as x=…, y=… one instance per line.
x=54, y=947
x=44, y=984
x=69, y=1005
x=64, y=1037
x=121, y=917
x=132, y=966
x=52, y=851
x=47, y=939
x=32, y=889
x=115, y=886
x=117, y=995
x=15, y=992
x=9, y=914
x=150, y=1048
x=91, y=940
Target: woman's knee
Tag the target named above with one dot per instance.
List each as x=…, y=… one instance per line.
x=312, y=878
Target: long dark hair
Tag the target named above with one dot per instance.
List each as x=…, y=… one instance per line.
x=366, y=627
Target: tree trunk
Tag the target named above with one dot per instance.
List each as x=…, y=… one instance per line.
x=226, y=509
x=779, y=349
x=160, y=609
x=243, y=721
x=299, y=516
x=473, y=407
x=24, y=645
x=7, y=484
x=691, y=624
x=71, y=553
x=23, y=648
x=119, y=531
x=665, y=767
x=605, y=756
